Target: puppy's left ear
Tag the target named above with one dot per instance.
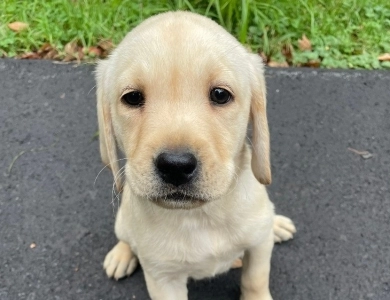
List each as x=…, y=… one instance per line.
x=261, y=165
x=106, y=132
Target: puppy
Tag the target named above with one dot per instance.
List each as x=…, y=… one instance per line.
x=176, y=96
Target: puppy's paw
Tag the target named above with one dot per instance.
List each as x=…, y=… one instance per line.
x=284, y=229
x=120, y=261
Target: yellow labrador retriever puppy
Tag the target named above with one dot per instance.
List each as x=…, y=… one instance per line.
x=176, y=95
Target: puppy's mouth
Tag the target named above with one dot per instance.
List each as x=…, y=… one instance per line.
x=178, y=200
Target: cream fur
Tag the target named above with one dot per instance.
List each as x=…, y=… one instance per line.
x=174, y=59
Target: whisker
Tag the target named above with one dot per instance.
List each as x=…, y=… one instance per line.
x=92, y=89
x=104, y=168
x=252, y=147
x=119, y=174
x=115, y=195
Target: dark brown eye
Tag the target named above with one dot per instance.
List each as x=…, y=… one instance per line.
x=134, y=98
x=220, y=96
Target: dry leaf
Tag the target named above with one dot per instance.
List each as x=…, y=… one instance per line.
x=46, y=47
x=47, y=51
x=106, y=45
x=71, y=48
x=30, y=55
x=384, y=57
x=73, y=52
x=52, y=54
x=33, y=245
x=312, y=64
x=277, y=64
x=95, y=51
x=68, y=58
x=304, y=43
x=287, y=52
x=17, y=26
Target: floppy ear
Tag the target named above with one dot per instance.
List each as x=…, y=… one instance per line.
x=261, y=165
x=106, y=133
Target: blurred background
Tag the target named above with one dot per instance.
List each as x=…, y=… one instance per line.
x=311, y=33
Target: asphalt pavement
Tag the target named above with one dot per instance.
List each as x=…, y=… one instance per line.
x=56, y=226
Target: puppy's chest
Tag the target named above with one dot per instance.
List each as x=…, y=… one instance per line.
x=197, y=250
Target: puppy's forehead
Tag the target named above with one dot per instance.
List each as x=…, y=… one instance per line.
x=179, y=46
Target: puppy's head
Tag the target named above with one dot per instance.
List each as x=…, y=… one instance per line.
x=177, y=95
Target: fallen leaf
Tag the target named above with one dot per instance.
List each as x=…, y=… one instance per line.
x=68, y=58
x=312, y=64
x=73, y=51
x=363, y=154
x=106, y=45
x=30, y=55
x=304, y=43
x=95, y=51
x=52, y=54
x=384, y=57
x=277, y=64
x=47, y=51
x=287, y=52
x=33, y=245
x=17, y=26
x=71, y=48
x=45, y=47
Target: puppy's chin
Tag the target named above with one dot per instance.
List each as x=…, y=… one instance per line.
x=178, y=200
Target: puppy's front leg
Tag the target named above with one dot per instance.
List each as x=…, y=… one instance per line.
x=255, y=271
x=166, y=288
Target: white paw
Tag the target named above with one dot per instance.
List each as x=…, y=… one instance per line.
x=120, y=261
x=283, y=229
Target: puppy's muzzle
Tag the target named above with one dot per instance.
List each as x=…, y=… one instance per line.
x=176, y=167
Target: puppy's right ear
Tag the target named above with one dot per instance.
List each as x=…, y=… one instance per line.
x=106, y=132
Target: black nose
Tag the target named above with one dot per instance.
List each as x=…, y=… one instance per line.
x=175, y=167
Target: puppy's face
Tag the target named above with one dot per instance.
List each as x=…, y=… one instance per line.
x=179, y=94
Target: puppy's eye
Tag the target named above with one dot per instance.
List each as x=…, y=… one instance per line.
x=134, y=98
x=220, y=96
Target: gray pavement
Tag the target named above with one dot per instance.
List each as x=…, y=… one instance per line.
x=339, y=200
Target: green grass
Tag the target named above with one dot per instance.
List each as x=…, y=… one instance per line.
x=343, y=33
